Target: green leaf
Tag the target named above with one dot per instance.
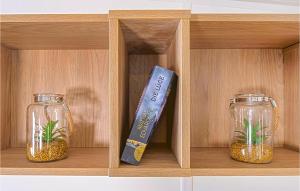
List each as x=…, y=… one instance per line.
x=260, y=139
x=47, y=131
x=246, y=123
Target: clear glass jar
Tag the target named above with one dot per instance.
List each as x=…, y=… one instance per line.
x=48, y=124
x=253, y=121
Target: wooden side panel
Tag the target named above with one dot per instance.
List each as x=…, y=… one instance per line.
x=82, y=75
x=118, y=91
x=178, y=61
x=292, y=96
x=217, y=75
x=140, y=67
x=5, y=84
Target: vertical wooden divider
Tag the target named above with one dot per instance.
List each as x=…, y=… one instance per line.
x=118, y=90
x=5, y=84
x=179, y=61
x=292, y=96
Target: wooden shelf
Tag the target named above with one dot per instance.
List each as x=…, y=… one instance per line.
x=81, y=162
x=216, y=162
x=55, y=31
x=244, y=31
x=157, y=161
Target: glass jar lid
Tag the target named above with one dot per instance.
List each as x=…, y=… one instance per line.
x=48, y=97
x=252, y=99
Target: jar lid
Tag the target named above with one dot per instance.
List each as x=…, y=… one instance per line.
x=252, y=98
x=48, y=97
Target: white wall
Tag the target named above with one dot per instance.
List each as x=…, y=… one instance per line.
x=102, y=6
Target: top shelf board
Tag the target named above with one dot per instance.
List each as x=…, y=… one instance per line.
x=91, y=31
x=244, y=31
x=55, y=31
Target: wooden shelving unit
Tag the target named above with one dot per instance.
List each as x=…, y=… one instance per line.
x=102, y=62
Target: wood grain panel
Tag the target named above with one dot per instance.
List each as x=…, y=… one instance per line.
x=292, y=96
x=118, y=92
x=82, y=75
x=217, y=162
x=179, y=61
x=243, y=34
x=5, y=88
x=217, y=75
x=148, y=36
x=81, y=162
x=140, y=67
x=54, y=31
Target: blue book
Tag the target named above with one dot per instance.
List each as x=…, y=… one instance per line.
x=149, y=110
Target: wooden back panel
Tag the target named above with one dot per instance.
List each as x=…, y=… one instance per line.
x=292, y=96
x=217, y=75
x=82, y=75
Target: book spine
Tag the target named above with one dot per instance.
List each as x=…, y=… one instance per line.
x=148, y=113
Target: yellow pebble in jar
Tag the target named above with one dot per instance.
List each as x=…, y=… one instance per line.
x=56, y=150
x=262, y=153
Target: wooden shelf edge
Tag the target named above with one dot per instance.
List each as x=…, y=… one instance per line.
x=217, y=162
x=150, y=14
x=81, y=162
x=149, y=172
x=48, y=18
x=55, y=171
x=245, y=17
x=245, y=172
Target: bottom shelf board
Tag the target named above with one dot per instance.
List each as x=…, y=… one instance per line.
x=158, y=161
x=217, y=162
x=81, y=161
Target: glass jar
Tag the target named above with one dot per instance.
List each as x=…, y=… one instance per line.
x=48, y=124
x=254, y=117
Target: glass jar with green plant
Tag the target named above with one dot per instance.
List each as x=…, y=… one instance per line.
x=253, y=119
x=48, y=124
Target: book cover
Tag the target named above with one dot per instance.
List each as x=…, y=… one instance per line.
x=148, y=112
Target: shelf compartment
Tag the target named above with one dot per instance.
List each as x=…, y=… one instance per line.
x=81, y=162
x=217, y=162
x=233, y=54
x=66, y=54
x=158, y=161
x=133, y=52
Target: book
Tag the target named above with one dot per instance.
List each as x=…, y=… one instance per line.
x=148, y=112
